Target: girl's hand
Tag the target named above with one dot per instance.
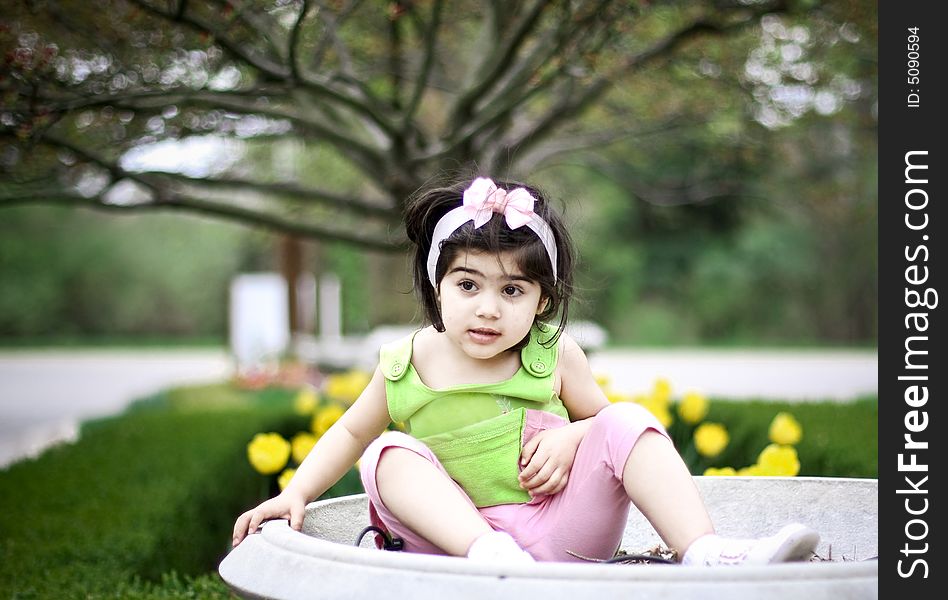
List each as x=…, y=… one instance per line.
x=547, y=459
x=285, y=506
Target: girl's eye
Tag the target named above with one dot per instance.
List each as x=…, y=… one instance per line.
x=512, y=290
x=466, y=285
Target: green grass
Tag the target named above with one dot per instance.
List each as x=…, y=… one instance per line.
x=142, y=506
x=839, y=439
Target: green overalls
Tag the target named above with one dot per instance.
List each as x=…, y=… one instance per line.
x=475, y=430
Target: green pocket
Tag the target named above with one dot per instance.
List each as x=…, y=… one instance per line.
x=484, y=458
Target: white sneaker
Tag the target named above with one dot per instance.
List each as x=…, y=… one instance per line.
x=794, y=542
x=498, y=546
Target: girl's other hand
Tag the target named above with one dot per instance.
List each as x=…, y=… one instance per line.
x=285, y=506
x=547, y=459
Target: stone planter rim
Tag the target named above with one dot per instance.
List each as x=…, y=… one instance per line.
x=281, y=551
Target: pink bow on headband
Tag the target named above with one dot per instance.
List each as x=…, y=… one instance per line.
x=483, y=197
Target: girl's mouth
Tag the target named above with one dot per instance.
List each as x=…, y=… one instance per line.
x=483, y=335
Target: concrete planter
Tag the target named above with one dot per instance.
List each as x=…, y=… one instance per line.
x=322, y=562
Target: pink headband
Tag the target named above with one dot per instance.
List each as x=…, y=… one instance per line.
x=481, y=200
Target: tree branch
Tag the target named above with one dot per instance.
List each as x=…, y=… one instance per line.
x=571, y=105
x=518, y=87
x=369, y=104
x=367, y=158
x=553, y=47
x=421, y=81
x=153, y=181
x=276, y=71
x=496, y=63
x=261, y=30
x=293, y=46
x=113, y=168
x=395, y=66
x=332, y=37
x=262, y=64
x=346, y=203
x=596, y=139
x=229, y=99
x=202, y=206
x=160, y=98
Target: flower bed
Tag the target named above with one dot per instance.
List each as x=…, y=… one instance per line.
x=764, y=437
x=143, y=505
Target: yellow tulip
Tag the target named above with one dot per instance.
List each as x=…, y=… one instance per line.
x=752, y=470
x=692, y=408
x=284, y=479
x=664, y=417
x=306, y=401
x=301, y=444
x=777, y=460
x=785, y=430
x=662, y=390
x=722, y=472
x=346, y=387
x=711, y=439
x=268, y=452
x=614, y=396
x=325, y=417
x=657, y=408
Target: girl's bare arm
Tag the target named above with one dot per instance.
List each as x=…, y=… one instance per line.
x=332, y=456
x=580, y=393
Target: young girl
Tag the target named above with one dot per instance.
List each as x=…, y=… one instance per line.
x=514, y=453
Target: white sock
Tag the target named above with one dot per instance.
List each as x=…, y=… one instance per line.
x=794, y=542
x=703, y=546
x=497, y=546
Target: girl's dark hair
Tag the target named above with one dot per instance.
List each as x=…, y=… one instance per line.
x=426, y=207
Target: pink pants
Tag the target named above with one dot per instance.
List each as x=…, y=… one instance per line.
x=587, y=517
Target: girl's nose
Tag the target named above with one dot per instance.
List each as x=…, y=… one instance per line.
x=488, y=307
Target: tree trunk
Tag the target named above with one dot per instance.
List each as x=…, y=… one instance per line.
x=291, y=266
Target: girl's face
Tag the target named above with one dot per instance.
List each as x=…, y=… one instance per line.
x=487, y=305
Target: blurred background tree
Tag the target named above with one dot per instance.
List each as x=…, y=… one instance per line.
x=718, y=158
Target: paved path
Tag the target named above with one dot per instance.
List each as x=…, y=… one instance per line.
x=45, y=394
x=797, y=376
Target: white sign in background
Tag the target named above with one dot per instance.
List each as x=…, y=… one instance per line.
x=259, y=319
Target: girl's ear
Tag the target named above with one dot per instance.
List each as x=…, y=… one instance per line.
x=542, y=306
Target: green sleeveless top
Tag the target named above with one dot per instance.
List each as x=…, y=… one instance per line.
x=475, y=430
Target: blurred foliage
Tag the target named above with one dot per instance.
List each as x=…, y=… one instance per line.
x=722, y=191
x=71, y=276
x=65, y=273
x=379, y=98
x=751, y=216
